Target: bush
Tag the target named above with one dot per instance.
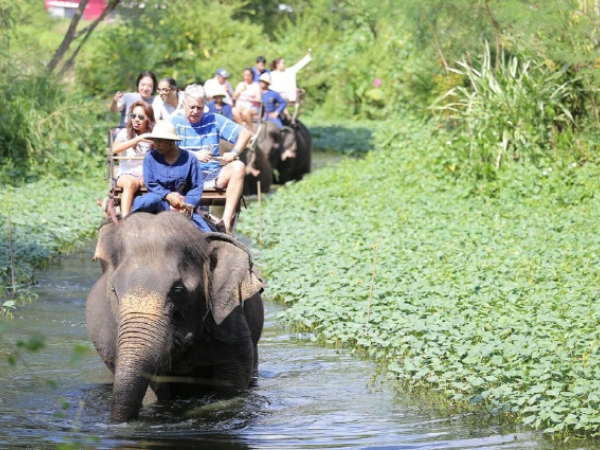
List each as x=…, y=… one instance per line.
x=47, y=127
x=522, y=111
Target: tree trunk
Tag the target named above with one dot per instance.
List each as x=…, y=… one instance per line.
x=72, y=34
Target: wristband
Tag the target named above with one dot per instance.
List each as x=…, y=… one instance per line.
x=235, y=151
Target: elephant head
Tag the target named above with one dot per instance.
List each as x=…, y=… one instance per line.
x=148, y=313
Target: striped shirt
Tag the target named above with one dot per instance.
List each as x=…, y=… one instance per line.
x=205, y=134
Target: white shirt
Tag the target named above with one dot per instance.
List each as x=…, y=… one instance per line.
x=164, y=111
x=285, y=82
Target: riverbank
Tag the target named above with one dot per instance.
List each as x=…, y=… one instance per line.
x=483, y=291
x=48, y=218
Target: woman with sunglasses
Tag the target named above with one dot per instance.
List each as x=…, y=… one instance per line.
x=132, y=142
x=168, y=101
x=145, y=86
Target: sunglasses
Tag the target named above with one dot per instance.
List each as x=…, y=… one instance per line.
x=165, y=91
x=139, y=116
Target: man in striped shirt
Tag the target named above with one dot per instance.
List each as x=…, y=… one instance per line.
x=201, y=132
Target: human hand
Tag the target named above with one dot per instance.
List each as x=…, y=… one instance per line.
x=118, y=96
x=229, y=156
x=176, y=200
x=309, y=52
x=203, y=155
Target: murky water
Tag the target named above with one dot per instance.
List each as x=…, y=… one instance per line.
x=307, y=398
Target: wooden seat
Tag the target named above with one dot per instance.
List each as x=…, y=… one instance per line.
x=210, y=197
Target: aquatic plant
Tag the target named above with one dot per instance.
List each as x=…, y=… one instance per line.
x=47, y=218
x=484, y=293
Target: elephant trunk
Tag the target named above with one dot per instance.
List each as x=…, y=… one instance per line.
x=144, y=338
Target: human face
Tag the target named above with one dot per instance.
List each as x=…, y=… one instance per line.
x=260, y=66
x=162, y=146
x=146, y=87
x=281, y=65
x=139, y=124
x=194, y=109
x=264, y=86
x=220, y=79
x=164, y=90
x=248, y=76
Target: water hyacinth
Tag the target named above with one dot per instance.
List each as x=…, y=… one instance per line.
x=483, y=294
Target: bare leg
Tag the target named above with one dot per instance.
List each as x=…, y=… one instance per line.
x=130, y=186
x=237, y=115
x=247, y=115
x=232, y=177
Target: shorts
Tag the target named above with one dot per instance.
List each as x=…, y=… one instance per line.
x=209, y=176
x=244, y=105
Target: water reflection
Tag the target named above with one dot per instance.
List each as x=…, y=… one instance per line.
x=307, y=398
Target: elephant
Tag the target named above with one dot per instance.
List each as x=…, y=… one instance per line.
x=288, y=149
x=176, y=310
x=257, y=169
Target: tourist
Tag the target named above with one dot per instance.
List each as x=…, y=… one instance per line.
x=168, y=101
x=247, y=98
x=131, y=142
x=200, y=132
x=145, y=86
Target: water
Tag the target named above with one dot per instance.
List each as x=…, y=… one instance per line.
x=307, y=398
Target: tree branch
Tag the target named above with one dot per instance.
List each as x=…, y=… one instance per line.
x=88, y=31
x=69, y=36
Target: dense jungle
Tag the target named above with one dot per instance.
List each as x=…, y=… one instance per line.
x=455, y=241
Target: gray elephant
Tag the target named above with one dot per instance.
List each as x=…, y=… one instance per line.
x=257, y=168
x=288, y=150
x=175, y=309
x=295, y=159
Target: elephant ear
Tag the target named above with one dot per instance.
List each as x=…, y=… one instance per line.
x=105, y=246
x=233, y=279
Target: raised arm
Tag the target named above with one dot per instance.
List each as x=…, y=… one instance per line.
x=116, y=105
x=302, y=63
x=120, y=146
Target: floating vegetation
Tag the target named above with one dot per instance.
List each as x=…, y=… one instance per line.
x=46, y=218
x=485, y=292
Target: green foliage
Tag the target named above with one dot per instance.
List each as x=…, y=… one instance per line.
x=47, y=217
x=484, y=293
x=195, y=39
x=45, y=127
x=523, y=110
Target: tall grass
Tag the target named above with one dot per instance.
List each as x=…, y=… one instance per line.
x=523, y=110
x=47, y=127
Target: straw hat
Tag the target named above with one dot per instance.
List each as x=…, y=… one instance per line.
x=265, y=77
x=219, y=92
x=164, y=130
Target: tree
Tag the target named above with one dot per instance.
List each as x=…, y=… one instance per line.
x=72, y=34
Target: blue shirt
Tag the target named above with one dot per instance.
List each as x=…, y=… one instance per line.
x=162, y=179
x=273, y=101
x=257, y=74
x=205, y=134
x=225, y=110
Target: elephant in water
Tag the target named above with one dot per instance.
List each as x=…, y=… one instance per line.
x=257, y=168
x=288, y=150
x=175, y=309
